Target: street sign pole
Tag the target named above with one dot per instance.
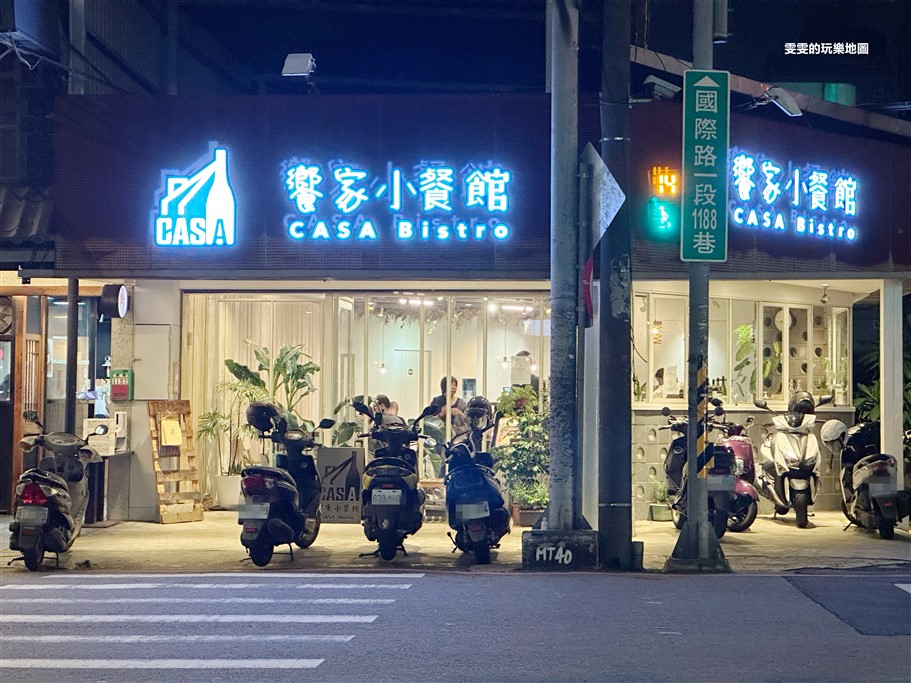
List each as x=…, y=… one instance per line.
x=703, y=239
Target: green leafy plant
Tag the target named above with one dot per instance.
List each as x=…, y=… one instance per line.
x=346, y=429
x=744, y=373
x=288, y=379
x=867, y=401
x=659, y=493
x=524, y=460
x=532, y=496
x=230, y=423
x=772, y=362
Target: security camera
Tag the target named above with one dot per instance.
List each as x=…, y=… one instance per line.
x=659, y=89
x=782, y=99
x=299, y=64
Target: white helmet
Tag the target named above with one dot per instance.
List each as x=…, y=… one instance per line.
x=833, y=434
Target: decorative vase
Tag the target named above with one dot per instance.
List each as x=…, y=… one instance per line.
x=227, y=491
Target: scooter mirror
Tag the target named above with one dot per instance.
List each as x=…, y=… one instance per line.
x=30, y=416
x=826, y=399
x=719, y=410
x=666, y=411
x=326, y=423
x=716, y=402
x=761, y=404
x=361, y=408
x=101, y=429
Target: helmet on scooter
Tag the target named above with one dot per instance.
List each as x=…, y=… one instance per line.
x=479, y=412
x=802, y=402
x=834, y=435
x=261, y=415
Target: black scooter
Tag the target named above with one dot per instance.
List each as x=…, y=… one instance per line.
x=51, y=498
x=281, y=503
x=392, y=501
x=474, y=501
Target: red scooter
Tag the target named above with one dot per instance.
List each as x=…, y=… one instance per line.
x=744, y=504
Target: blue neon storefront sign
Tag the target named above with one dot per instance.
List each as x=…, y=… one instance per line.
x=196, y=207
x=430, y=201
x=807, y=200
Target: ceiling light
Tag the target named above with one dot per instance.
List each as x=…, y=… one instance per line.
x=299, y=64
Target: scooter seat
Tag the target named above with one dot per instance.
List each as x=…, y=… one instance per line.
x=274, y=472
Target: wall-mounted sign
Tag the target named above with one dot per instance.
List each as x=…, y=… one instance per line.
x=115, y=301
x=786, y=198
x=341, y=200
x=195, y=207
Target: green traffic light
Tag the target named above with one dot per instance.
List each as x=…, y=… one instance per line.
x=663, y=220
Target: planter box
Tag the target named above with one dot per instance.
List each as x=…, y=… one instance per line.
x=660, y=512
x=529, y=517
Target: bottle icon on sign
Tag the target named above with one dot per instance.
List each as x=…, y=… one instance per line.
x=220, y=203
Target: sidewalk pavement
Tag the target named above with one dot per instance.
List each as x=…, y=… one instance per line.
x=771, y=545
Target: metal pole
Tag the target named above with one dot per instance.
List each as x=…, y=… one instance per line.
x=563, y=251
x=72, y=340
x=586, y=215
x=615, y=475
x=697, y=542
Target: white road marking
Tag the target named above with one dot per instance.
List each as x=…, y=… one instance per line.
x=76, y=664
x=258, y=575
x=189, y=618
x=904, y=586
x=669, y=633
x=175, y=639
x=207, y=601
x=218, y=586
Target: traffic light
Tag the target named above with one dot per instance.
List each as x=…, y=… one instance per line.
x=663, y=209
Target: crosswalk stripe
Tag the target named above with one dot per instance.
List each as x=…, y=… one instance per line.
x=219, y=586
x=208, y=601
x=904, y=586
x=245, y=575
x=76, y=664
x=175, y=639
x=190, y=618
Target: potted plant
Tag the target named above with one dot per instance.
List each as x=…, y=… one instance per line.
x=524, y=451
x=659, y=509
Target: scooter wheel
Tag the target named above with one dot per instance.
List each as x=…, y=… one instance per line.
x=481, y=552
x=781, y=510
x=887, y=531
x=719, y=521
x=678, y=519
x=388, y=546
x=34, y=557
x=742, y=522
x=801, y=506
x=261, y=553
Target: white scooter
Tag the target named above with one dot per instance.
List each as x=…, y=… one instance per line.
x=789, y=457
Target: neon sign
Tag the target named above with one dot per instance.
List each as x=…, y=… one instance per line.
x=340, y=200
x=196, y=206
x=801, y=200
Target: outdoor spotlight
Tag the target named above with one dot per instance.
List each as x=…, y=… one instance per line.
x=299, y=64
x=782, y=99
x=824, y=299
x=659, y=89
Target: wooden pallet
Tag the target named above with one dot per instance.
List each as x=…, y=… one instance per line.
x=179, y=497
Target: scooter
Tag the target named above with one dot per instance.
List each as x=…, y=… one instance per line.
x=720, y=475
x=392, y=502
x=281, y=503
x=744, y=503
x=51, y=498
x=869, y=495
x=474, y=500
x=789, y=457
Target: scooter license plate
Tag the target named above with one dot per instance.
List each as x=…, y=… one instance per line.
x=32, y=514
x=721, y=482
x=386, y=496
x=472, y=510
x=253, y=511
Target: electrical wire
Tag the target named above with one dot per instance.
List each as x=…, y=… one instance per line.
x=12, y=44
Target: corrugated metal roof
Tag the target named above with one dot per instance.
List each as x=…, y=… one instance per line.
x=25, y=214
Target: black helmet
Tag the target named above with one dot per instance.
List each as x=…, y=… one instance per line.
x=802, y=402
x=261, y=415
x=478, y=412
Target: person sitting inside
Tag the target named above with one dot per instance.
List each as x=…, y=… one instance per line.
x=382, y=405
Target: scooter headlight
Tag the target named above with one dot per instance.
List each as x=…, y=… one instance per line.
x=791, y=459
x=810, y=460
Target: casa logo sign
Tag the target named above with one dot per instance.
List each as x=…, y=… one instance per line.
x=808, y=201
x=195, y=207
x=341, y=200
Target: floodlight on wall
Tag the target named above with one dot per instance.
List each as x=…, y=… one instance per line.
x=299, y=64
x=824, y=299
x=781, y=98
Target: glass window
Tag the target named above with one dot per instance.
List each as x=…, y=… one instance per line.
x=667, y=333
x=798, y=341
x=56, y=351
x=640, y=323
x=719, y=346
x=515, y=343
x=394, y=365
x=772, y=338
x=742, y=385
x=6, y=370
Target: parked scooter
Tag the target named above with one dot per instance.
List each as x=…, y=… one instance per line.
x=744, y=503
x=869, y=495
x=392, y=501
x=281, y=503
x=474, y=500
x=789, y=457
x=51, y=498
x=720, y=475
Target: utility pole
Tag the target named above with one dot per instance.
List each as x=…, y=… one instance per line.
x=697, y=547
x=615, y=478
x=564, y=216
